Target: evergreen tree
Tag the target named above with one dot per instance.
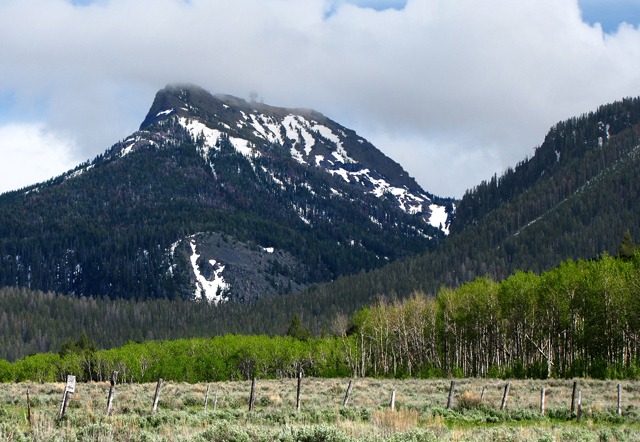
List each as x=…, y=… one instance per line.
x=296, y=330
x=626, y=250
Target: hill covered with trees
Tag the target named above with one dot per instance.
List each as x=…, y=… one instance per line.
x=578, y=319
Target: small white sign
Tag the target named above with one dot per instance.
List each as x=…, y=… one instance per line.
x=71, y=384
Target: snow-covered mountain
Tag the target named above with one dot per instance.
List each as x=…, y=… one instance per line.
x=218, y=198
x=310, y=138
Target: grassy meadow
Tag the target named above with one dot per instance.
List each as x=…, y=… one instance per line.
x=420, y=414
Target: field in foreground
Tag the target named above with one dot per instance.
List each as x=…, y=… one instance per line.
x=420, y=414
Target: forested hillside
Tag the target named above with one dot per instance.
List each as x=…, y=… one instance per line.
x=556, y=169
x=578, y=319
x=147, y=219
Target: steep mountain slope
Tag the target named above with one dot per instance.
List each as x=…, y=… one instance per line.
x=577, y=205
x=217, y=198
x=572, y=151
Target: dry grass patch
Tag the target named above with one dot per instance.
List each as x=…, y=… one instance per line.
x=390, y=421
x=468, y=400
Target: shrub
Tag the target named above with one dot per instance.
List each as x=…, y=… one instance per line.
x=223, y=433
x=320, y=433
x=468, y=400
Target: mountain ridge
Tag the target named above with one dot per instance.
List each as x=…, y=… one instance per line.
x=138, y=221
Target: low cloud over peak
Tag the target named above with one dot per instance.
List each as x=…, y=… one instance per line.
x=455, y=90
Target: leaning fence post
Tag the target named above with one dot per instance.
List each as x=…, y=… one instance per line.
x=484, y=389
x=63, y=406
x=215, y=400
x=450, y=398
x=69, y=388
x=505, y=396
x=348, y=393
x=542, y=396
x=393, y=400
x=114, y=378
x=156, y=397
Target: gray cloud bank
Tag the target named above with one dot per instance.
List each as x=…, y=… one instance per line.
x=454, y=90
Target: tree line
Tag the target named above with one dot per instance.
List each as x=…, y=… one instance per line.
x=578, y=319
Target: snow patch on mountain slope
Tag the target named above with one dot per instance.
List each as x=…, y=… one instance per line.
x=267, y=128
x=438, y=218
x=211, y=136
x=164, y=112
x=79, y=172
x=213, y=289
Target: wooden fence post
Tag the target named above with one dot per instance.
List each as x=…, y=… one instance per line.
x=156, y=397
x=484, y=388
x=619, y=399
x=393, y=400
x=114, y=379
x=573, y=398
x=542, y=397
x=215, y=400
x=28, y=408
x=206, y=397
x=252, y=396
x=449, y=399
x=348, y=393
x=299, y=390
x=63, y=406
x=505, y=396
x=579, y=411
x=69, y=388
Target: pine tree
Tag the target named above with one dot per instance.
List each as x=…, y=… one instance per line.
x=627, y=248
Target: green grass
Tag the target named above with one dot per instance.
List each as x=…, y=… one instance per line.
x=420, y=415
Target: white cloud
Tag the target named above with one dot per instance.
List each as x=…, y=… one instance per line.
x=30, y=155
x=483, y=79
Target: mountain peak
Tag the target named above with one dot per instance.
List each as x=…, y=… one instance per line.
x=219, y=198
x=312, y=140
x=194, y=100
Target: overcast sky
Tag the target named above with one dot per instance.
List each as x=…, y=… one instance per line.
x=454, y=90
